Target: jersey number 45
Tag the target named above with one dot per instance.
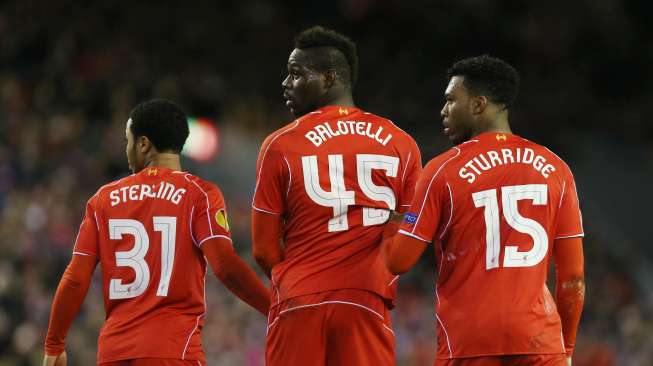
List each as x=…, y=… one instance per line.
x=339, y=198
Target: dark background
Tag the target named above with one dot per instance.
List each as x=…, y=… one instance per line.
x=71, y=72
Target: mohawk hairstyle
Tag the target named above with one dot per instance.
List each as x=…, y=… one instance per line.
x=161, y=121
x=489, y=76
x=336, y=52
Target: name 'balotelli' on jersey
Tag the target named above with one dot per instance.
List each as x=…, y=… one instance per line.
x=334, y=175
x=494, y=206
x=146, y=230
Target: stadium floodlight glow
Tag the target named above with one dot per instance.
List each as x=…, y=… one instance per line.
x=203, y=141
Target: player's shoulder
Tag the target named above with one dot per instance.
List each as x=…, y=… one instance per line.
x=390, y=125
x=200, y=186
x=275, y=138
x=108, y=187
x=442, y=161
x=551, y=156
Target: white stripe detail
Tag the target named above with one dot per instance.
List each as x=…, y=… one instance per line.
x=331, y=302
x=272, y=324
x=403, y=176
x=570, y=236
x=406, y=205
x=393, y=280
x=450, y=213
x=197, y=323
x=208, y=217
x=96, y=222
x=212, y=237
x=388, y=328
x=262, y=210
x=265, y=153
x=442, y=325
x=413, y=236
x=562, y=195
x=190, y=225
x=84, y=254
x=429, y=187
x=290, y=176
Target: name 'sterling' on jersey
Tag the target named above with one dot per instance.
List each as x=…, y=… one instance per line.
x=325, y=131
x=138, y=192
x=490, y=159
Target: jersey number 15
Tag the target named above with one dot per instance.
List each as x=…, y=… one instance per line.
x=537, y=193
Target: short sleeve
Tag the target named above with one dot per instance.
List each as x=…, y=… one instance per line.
x=411, y=174
x=570, y=220
x=271, y=181
x=422, y=220
x=209, y=215
x=87, y=242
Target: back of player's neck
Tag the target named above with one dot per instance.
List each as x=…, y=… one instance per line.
x=165, y=160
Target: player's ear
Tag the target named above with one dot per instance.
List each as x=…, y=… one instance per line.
x=479, y=104
x=329, y=79
x=144, y=144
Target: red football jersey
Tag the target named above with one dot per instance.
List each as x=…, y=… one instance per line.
x=334, y=175
x=494, y=206
x=146, y=231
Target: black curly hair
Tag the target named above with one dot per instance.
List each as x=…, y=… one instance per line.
x=333, y=51
x=161, y=121
x=489, y=76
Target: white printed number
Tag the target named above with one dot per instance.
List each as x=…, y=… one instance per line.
x=135, y=258
x=339, y=198
x=509, y=197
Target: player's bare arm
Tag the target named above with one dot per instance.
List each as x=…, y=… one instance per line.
x=266, y=231
x=234, y=273
x=570, y=287
x=68, y=299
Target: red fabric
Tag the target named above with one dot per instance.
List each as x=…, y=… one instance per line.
x=235, y=274
x=570, y=287
x=154, y=362
x=493, y=206
x=163, y=207
x=521, y=360
x=341, y=327
x=67, y=300
x=326, y=156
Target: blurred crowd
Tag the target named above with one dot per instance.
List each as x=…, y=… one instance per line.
x=70, y=74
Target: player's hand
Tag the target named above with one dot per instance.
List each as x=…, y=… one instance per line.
x=60, y=360
x=568, y=361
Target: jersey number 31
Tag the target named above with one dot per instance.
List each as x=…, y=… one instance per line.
x=135, y=258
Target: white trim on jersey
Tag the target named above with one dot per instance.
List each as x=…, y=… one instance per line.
x=206, y=195
x=570, y=236
x=97, y=224
x=190, y=225
x=265, y=154
x=197, y=323
x=289, y=176
x=199, y=245
x=84, y=254
x=325, y=303
x=419, y=216
x=437, y=317
x=262, y=210
x=450, y=213
x=562, y=195
x=403, y=176
x=413, y=236
x=393, y=280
